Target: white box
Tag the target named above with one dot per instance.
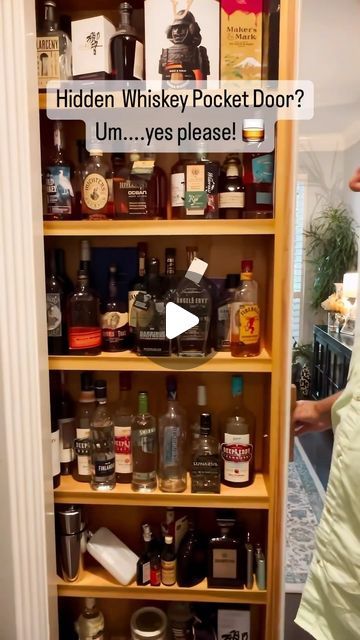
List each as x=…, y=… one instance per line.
x=233, y=624
x=91, y=46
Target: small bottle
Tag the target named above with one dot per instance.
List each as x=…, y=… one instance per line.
x=143, y=564
x=97, y=201
x=223, y=325
x=60, y=200
x=102, y=443
x=191, y=565
x=205, y=468
x=151, y=319
x=232, y=190
x=245, y=315
x=82, y=444
x=84, y=330
x=53, y=49
x=172, y=440
x=91, y=624
x=155, y=570
x=226, y=566
x=66, y=422
x=126, y=48
x=114, y=316
x=178, y=187
x=168, y=563
x=144, y=448
x=123, y=416
x=157, y=190
x=137, y=285
x=55, y=308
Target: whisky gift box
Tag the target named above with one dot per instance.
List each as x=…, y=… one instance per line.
x=233, y=624
x=241, y=40
x=182, y=40
x=91, y=47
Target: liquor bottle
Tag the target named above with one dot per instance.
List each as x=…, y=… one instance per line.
x=143, y=564
x=191, y=566
x=114, y=316
x=122, y=417
x=102, y=443
x=65, y=413
x=82, y=159
x=172, y=441
x=137, y=285
x=232, y=190
x=205, y=467
x=201, y=188
x=223, y=326
x=60, y=201
x=168, y=526
x=171, y=278
x=168, y=563
x=245, y=315
x=150, y=316
x=55, y=308
x=90, y=624
x=157, y=190
x=126, y=48
x=193, y=295
x=178, y=187
x=85, y=257
x=238, y=439
x=66, y=283
x=226, y=560
x=53, y=49
x=144, y=449
x=181, y=621
x=84, y=331
x=55, y=436
x=258, y=181
x=140, y=189
x=155, y=570
x=86, y=406
x=201, y=395
x=97, y=201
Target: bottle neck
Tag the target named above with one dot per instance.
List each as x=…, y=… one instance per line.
x=143, y=404
x=87, y=397
x=191, y=254
x=124, y=397
x=142, y=265
x=113, y=287
x=50, y=22
x=170, y=266
x=101, y=401
x=232, y=171
x=224, y=531
x=83, y=284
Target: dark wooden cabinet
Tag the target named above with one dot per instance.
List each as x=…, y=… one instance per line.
x=332, y=353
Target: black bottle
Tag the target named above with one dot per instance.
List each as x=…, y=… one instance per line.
x=143, y=564
x=191, y=566
x=126, y=49
x=114, y=316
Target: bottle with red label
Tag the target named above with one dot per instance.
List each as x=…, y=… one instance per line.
x=122, y=418
x=237, y=440
x=84, y=330
x=245, y=315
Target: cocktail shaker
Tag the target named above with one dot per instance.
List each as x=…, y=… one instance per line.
x=71, y=542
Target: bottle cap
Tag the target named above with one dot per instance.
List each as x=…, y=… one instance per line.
x=246, y=266
x=170, y=252
x=146, y=532
x=143, y=402
x=237, y=385
x=232, y=281
x=100, y=389
x=171, y=387
x=201, y=396
x=168, y=539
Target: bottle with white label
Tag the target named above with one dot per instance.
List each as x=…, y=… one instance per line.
x=65, y=412
x=237, y=440
x=144, y=448
x=91, y=624
x=102, y=443
x=82, y=444
x=122, y=418
x=172, y=440
x=232, y=190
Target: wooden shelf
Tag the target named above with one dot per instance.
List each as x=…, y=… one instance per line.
x=254, y=497
x=128, y=361
x=98, y=583
x=85, y=228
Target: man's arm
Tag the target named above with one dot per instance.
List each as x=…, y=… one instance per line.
x=313, y=415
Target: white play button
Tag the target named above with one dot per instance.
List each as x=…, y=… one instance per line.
x=178, y=320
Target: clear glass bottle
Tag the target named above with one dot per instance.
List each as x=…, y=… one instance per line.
x=84, y=330
x=85, y=408
x=114, y=316
x=151, y=318
x=53, y=49
x=168, y=563
x=126, y=48
x=201, y=407
x=143, y=564
x=90, y=625
x=245, y=315
x=102, y=442
x=60, y=199
x=144, y=448
x=137, y=285
x=227, y=564
x=97, y=201
x=205, y=468
x=123, y=416
x=232, y=190
x=55, y=308
x=223, y=324
x=172, y=442
x=237, y=427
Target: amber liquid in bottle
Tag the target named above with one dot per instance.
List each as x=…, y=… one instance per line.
x=245, y=315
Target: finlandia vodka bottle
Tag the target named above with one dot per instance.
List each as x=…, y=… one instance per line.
x=102, y=443
x=172, y=437
x=143, y=441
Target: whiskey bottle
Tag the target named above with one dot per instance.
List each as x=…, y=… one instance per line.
x=97, y=201
x=84, y=331
x=258, y=181
x=201, y=188
x=114, y=316
x=143, y=564
x=60, y=201
x=65, y=413
x=245, y=315
x=151, y=317
x=168, y=563
x=55, y=308
x=191, y=566
x=226, y=559
x=172, y=441
x=123, y=417
x=140, y=189
x=223, y=333
x=126, y=48
x=205, y=467
x=201, y=395
x=102, y=443
x=144, y=448
x=82, y=445
x=232, y=190
x=157, y=189
x=53, y=49
x=178, y=187
x=137, y=285
x=238, y=438
x=82, y=159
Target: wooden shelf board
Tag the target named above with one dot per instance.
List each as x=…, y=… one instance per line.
x=129, y=228
x=100, y=584
x=254, y=497
x=128, y=361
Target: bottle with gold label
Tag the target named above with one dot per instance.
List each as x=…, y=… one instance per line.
x=53, y=49
x=245, y=315
x=97, y=202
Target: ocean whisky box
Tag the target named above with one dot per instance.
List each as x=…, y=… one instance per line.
x=241, y=39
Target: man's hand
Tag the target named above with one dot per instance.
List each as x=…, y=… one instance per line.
x=308, y=416
x=354, y=182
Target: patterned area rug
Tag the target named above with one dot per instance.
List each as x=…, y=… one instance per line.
x=304, y=507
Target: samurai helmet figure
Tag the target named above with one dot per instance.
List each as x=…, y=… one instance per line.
x=184, y=29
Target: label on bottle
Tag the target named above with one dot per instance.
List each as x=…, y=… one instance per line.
x=59, y=190
x=155, y=575
x=104, y=468
x=146, y=573
x=123, y=455
x=48, y=56
x=224, y=563
x=195, y=189
x=132, y=310
x=95, y=191
x=170, y=445
x=82, y=433
x=264, y=197
x=205, y=473
x=237, y=453
x=168, y=572
x=82, y=449
x=177, y=189
x=84, y=337
x=232, y=200
x=245, y=321
x=115, y=327
x=67, y=432
x=55, y=452
x=262, y=168
x=53, y=314
x=139, y=61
